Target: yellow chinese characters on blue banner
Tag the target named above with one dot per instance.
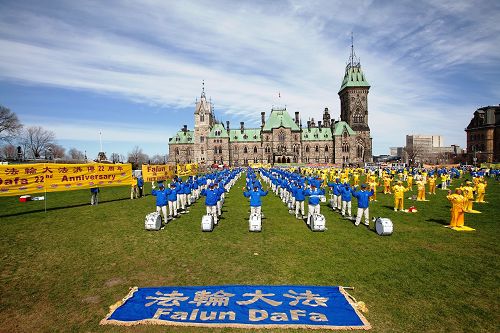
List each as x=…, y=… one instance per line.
x=239, y=306
x=19, y=179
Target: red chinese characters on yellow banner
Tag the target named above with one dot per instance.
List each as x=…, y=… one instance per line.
x=22, y=179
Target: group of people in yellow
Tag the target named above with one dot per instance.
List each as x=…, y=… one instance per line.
x=426, y=182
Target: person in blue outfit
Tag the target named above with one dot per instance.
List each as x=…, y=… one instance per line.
x=255, y=199
x=140, y=185
x=345, y=193
x=94, y=196
x=314, y=195
x=161, y=200
x=363, y=197
x=172, y=200
x=211, y=198
x=299, y=193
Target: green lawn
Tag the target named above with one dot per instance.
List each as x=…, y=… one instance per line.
x=61, y=270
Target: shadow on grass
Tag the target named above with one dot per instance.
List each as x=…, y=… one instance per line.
x=439, y=221
x=62, y=207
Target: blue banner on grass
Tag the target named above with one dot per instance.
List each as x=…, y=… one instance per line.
x=239, y=306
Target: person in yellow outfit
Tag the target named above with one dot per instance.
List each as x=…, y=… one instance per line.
x=387, y=184
x=373, y=186
x=409, y=182
x=399, y=194
x=468, y=193
x=481, y=190
x=356, y=178
x=420, y=190
x=444, y=181
x=457, y=201
x=431, y=180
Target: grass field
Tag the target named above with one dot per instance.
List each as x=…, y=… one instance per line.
x=61, y=270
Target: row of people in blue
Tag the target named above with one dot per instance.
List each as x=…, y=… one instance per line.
x=293, y=188
x=181, y=194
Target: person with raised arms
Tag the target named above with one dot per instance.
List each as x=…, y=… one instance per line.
x=161, y=199
x=363, y=197
x=211, y=199
x=255, y=199
x=314, y=195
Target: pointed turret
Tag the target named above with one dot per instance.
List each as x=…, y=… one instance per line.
x=354, y=76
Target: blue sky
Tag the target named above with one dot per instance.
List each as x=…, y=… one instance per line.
x=133, y=69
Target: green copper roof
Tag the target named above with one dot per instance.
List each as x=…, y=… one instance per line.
x=314, y=134
x=218, y=131
x=280, y=118
x=248, y=135
x=339, y=128
x=182, y=137
x=354, y=77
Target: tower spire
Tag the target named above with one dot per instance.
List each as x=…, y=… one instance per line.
x=203, y=88
x=353, y=60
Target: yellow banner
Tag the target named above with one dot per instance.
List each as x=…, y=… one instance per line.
x=190, y=169
x=152, y=173
x=22, y=179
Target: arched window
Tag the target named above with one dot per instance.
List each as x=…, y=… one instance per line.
x=360, y=151
x=202, y=150
x=316, y=149
x=245, y=150
x=307, y=149
x=345, y=147
x=202, y=117
x=255, y=149
x=281, y=136
x=176, y=151
x=326, y=148
x=235, y=150
x=188, y=151
x=215, y=150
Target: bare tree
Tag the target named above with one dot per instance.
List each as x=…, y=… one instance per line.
x=137, y=157
x=76, y=154
x=56, y=151
x=158, y=159
x=9, y=124
x=115, y=158
x=8, y=152
x=37, y=140
x=413, y=153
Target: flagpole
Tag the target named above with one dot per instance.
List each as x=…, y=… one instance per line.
x=45, y=196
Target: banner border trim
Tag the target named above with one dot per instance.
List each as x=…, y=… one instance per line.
x=106, y=321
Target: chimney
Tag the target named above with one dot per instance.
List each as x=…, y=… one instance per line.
x=227, y=126
x=184, y=129
x=297, y=117
x=262, y=119
x=242, y=126
x=308, y=124
x=326, y=110
x=319, y=125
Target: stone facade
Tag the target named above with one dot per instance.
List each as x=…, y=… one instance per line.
x=483, y=135
x=281, y=138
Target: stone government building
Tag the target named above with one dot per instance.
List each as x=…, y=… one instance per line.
x=281, y=138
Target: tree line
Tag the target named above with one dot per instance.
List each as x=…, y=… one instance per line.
x=22, y=143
